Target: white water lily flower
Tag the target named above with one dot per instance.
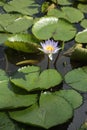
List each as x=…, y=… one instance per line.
x=49, y=47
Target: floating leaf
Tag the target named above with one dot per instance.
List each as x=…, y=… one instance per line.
x=30, y=78
x=1, y=3
x=10, y=99
x=6, y=123
x=73, y=97
x=19, y=25
x=84, y=23
x=82, y=7
x=77, y=79
x=45, y=27
x=4, y=37
x=76, y=14
x=7, y=19
x=77, y=53
x=48, y=27
x=23, y=42
x=15, y=23
x=29, y=7
x=65, y=13
x=52, y=110
x=81, y=37
x=62, y=2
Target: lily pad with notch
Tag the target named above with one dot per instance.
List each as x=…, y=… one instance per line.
x=51, y=111
x=31, y=78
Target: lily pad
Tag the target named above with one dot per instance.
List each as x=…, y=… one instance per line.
x=4, y=37
x=6, y=123
x=29, y=7
x=52, y=110
x=45, y=27
x=6, y=19
x=65, y=13
x=81, y=37
x=30, y=78
x=83, y=7
x=72, y=96
x=77, y=79
x=20, y=24
x=48, y=27
x=10, y=99
x=62, y=2
x=84, y=23
x=23, y=42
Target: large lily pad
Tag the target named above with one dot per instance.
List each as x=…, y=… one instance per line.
x=52, y=110
x=30, y=78
x=65, y=13
x=29, y=7
x=81, y=37
x=19, y=25
x=15, y=23
x=23, y=42
x=77, y=79
x=7, y=19
x=48, y=27
x=45, y=27
x=73, y=97
x=10, y=99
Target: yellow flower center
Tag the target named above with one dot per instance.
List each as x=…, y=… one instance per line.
x=50, y=48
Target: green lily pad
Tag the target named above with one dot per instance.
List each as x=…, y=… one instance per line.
x=62, y=2
x=6, y=123
x=1, y=3
x=30, y=78
x=4, y=37
x=83, y=7
x=15, y=23
x=23, y=42
x=45, y=27
x=29, y=7
x=81, y=37
x=48, y=27
x=10, y=99
x=72, y=96
x=77, y=79
x=84, y=23
x=52, y=110
x=76, y=16
x=7, y=19
x=20, y=24
x=65, y=13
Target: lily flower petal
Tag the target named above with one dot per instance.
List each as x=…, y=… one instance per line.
x=49, y=47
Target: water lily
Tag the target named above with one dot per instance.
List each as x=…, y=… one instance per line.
x=49, y=47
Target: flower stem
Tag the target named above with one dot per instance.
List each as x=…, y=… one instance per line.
x=48, y=65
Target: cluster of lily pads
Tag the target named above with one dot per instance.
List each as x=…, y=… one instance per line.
x=26, y=94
